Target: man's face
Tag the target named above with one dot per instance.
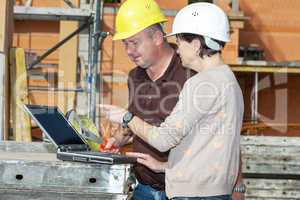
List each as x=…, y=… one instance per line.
x=141, y=49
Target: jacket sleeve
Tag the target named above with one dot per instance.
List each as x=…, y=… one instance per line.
x=196, y=102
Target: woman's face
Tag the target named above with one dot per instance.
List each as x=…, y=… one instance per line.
x=187, y=51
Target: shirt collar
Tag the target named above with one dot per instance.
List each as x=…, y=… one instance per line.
x=142, y=75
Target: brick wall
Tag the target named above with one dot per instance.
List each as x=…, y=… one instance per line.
x=275, y=26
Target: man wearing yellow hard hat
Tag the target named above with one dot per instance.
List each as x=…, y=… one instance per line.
x=154, y=84
x=202, y=132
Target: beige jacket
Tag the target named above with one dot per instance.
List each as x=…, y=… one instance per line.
x=203, y=134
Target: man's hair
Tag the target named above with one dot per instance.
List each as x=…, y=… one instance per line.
x=205, y=50
x=155, y=27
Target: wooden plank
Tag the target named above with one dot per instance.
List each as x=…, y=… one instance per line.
x=271, y=141
x=19, y=96
x=67, y=67
x=271, y=155
x=295, y=70
x=272, y=150
x=6, y=27
x=3, y=67
x=274, y=165
x=272, y=189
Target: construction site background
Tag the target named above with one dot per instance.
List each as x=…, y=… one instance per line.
x=271, y=28
x=263, y=53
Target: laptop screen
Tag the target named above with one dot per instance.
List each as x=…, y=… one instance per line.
x=54, y=124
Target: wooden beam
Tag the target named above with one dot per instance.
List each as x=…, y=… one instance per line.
x=265, y=69
x=67, y=67
x=6, y=27
x=19, y=96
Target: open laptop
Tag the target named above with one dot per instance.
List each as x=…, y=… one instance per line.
x=70, y=145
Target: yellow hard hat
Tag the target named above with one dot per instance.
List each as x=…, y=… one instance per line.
x=136, y=15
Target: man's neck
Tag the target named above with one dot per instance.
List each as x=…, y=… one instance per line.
x=156, y=71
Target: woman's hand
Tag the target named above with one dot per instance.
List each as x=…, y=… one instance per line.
x=149, y=161
x=113, y=113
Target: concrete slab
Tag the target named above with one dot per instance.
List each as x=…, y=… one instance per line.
x=37, y=174
x=17, y=194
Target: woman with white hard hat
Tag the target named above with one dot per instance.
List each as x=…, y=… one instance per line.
x=203, y=130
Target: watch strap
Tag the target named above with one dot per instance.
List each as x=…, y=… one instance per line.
x=241, y=188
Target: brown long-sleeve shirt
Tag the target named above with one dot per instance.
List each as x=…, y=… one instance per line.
x=153, y=101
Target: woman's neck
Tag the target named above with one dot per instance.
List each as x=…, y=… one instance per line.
x=207, y=62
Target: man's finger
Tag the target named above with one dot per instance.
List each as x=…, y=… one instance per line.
x=110, y=142
x=107, y=106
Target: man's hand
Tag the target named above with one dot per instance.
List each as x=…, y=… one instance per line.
x=113, y=113
x=109, y=145
x=149, y=161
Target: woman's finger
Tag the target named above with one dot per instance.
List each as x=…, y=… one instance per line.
x=137, y=155
x=143, y=162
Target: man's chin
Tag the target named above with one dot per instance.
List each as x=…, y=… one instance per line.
x=144, y=66
x=141, y=64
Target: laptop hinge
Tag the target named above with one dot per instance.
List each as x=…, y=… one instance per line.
x=73, y=147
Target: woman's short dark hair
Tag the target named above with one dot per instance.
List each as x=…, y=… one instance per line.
x=205, y=51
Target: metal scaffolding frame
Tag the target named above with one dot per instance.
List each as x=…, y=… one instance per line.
x=91, y=21
x=256, y=67
x=95, y=45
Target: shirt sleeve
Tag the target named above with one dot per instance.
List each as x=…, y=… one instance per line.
x=130, y=86
x=196, y=101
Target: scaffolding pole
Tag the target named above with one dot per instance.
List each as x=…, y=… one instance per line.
x=96, y=37
x=96, y=40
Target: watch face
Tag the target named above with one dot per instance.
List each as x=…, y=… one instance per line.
x=128, y=116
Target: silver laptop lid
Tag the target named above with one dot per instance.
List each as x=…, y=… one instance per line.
x=54, y=124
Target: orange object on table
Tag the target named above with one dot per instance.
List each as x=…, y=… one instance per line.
x=102, y=146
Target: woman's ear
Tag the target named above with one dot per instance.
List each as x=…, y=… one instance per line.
x=196, y=44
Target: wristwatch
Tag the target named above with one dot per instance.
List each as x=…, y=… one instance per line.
x=241, y=188
x=126, y=119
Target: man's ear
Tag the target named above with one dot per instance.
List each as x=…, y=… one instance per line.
x=158, y=37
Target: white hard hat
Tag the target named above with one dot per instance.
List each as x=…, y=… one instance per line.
x=204, y=19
